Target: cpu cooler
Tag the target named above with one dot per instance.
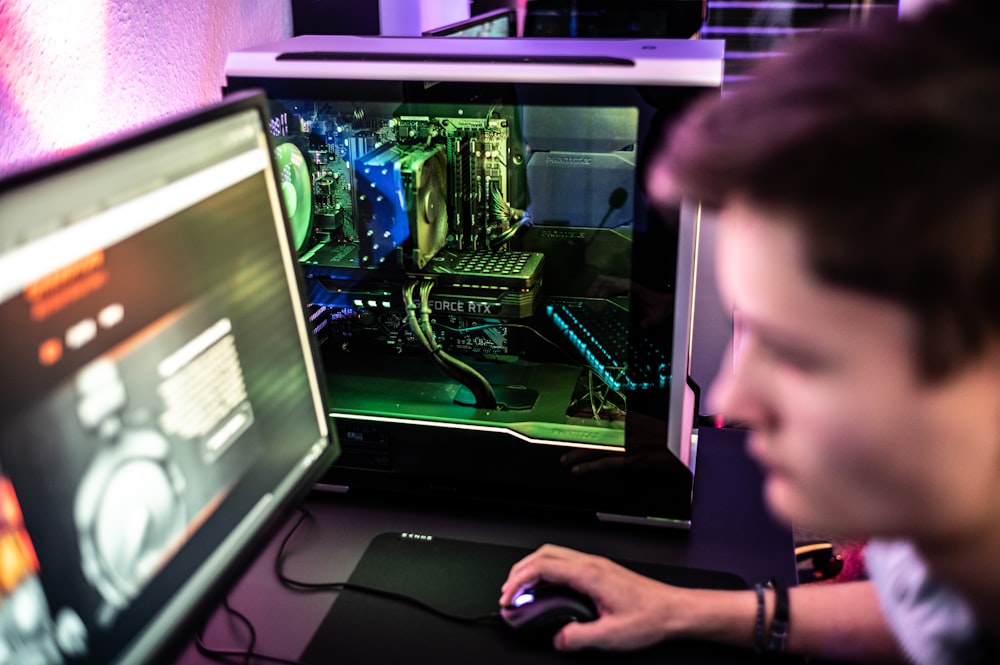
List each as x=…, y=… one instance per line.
x=401, y=202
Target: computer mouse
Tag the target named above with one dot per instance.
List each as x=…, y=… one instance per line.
x=543, y=608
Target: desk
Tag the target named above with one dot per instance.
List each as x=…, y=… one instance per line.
x=731, y=531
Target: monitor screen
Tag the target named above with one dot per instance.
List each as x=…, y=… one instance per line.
x=502, y=313
x=497, y=23
x=677, y=19
x=161, y=404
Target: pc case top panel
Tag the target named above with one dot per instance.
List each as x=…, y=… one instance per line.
x=670, y=62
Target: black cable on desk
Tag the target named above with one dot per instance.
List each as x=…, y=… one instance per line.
x=247, y=654
x=299, y=585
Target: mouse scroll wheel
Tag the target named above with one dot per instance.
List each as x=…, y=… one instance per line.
x=523, y=599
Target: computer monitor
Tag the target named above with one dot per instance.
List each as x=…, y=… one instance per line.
x=674, y=19
x=161, y=404
x=502, y=314
x=497, y=23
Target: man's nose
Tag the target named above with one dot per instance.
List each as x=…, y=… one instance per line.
x=736, y=393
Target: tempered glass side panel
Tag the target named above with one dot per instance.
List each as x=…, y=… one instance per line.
x=492, y=292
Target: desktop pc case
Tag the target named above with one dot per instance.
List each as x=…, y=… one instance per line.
x=502, y=315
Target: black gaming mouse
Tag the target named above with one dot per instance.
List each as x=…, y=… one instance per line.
x=542, y=609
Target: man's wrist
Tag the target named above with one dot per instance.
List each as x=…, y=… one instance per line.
x=770, y=636
x=778, y=634
x=712, y=615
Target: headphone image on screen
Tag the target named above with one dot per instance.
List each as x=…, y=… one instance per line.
x=129, y=511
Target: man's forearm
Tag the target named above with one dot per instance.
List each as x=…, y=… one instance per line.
x=838, y=621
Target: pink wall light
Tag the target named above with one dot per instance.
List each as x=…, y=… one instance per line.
x=75, y=71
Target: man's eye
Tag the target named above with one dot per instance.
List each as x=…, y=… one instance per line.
x=787, y=355
x=798, y=359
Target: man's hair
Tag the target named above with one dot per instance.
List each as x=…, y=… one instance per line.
x=883, y=145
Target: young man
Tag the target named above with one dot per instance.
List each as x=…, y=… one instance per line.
x=858, y=186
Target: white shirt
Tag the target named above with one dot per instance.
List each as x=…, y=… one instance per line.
x=933, y=624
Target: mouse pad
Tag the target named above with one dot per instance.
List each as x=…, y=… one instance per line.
x=463, y=578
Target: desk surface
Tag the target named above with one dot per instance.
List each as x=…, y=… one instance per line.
x=731, y=531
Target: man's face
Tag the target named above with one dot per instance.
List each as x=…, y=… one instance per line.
x=852, y=440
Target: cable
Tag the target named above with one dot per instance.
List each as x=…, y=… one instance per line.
x=250, y=654
x=411, y=315
x=481, y=389
x=247, y=654
x=616, y=200
x=425, y=315
x=299, y=585
x=598, y=400
x=504, y=213
x=507, y=235
x=465, y=374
